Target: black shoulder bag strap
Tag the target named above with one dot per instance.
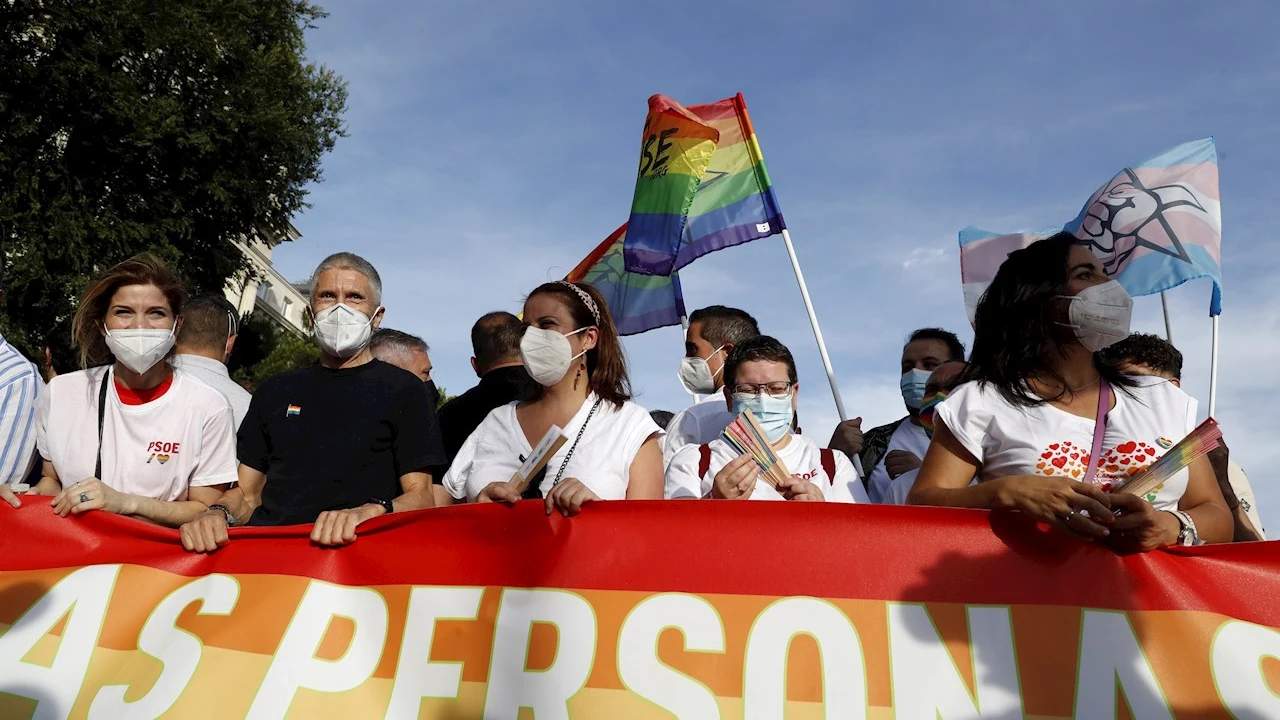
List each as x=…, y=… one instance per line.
x=102, y=416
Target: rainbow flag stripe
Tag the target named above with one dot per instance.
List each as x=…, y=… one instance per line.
x=733, y=204
x=637, y=302
x=675, y=149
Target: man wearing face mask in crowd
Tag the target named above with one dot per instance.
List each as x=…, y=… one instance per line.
x=713, y=333
x=941, y=382
x=899, y=447
x=760, y=375
x=337, y=443
x=407, y=352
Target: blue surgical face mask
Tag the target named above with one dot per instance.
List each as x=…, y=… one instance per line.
x=773, y=413
x=912, y=385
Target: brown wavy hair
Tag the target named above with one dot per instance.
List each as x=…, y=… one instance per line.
x=606, y=363
x=141, y=269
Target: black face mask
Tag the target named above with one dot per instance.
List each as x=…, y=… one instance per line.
x=432, y=392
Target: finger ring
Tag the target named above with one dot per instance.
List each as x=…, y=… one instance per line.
x=84, y=497
x=1069, y=515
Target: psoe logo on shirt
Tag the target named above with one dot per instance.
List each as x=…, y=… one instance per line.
x=161, y=451
x=293, y=411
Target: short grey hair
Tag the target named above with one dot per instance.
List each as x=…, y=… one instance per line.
x=350, y=261
x=387, y=343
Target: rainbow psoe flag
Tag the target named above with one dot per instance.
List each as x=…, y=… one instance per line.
x=293, y=411
x=636, y=302
x=675, y=149
x=733, y=204
x=1154, y=226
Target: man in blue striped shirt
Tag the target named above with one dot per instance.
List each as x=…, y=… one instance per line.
x=20, y=385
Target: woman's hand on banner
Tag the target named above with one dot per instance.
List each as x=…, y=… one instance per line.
x=1074, y=507
x=1140, y=527
x=568, y=496
x=90, y=494
x=503, y=492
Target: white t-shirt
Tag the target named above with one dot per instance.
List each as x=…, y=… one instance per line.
x=601, y=461
x=184, y=438
x=1045, y=440
x=802, y=457
x=908, y=437
x=696, y=425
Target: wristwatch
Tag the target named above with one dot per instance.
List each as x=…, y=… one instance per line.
x=386, y=504
x=231, y=519
x=1187, y=534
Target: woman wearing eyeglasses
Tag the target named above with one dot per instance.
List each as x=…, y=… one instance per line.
x=760, y=375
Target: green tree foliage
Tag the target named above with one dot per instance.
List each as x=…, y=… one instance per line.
x=263, y=349
x=162, y=125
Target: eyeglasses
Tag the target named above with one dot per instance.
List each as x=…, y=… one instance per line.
x=781, y=388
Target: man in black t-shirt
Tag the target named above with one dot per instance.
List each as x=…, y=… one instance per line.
x=337, y=443
x=495, y=342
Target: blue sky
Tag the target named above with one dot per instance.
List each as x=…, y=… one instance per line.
x=492, y=145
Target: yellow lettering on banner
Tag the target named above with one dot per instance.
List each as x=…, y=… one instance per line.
x=546, y=692
x=83, y=594
x=1236, y=663
x=639, y=668
x=844, y=676
x=1109, y=652
x=295, y=665
x=178, y=650
x=926, y=681
x=416, y=676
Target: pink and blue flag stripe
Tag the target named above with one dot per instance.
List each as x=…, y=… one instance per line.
x=1154, y=226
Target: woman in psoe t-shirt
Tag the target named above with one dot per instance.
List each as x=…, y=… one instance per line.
x=1024, y=424
x=571, y=348
x=132, y=437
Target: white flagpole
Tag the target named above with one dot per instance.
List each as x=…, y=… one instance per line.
x=822, y=344
x=1213, y=370
x=1168, y=329
x=817, y=331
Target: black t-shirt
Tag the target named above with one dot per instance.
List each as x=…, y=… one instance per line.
x=334, y=439
x=462, y=415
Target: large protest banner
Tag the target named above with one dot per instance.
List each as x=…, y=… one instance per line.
x=632, y=610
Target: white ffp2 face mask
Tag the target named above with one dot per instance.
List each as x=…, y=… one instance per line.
x=696, y=376
x=1100, y=315
x=343, y=331
x=139, y=349
x=547, y=354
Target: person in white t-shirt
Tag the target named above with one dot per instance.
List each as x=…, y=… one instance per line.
x=760, y=375
x=135, y=437
x=941, y=382
x=1142, y=354
x=713, y=333
x=1025, y=423
x=572, y=349
x=888, y=451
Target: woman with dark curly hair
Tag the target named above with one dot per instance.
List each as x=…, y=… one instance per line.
x=1027, y=421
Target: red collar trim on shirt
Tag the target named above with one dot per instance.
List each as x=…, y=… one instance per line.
x=140, y=397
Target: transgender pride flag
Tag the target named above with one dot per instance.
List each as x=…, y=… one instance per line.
x=1154, y=226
